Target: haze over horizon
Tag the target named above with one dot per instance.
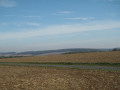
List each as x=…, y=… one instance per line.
x=31, y=25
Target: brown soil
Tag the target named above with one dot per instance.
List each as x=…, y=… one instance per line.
x=40, y=78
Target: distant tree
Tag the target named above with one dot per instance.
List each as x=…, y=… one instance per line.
x=116, y=49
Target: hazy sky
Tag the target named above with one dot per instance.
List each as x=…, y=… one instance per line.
x=54, y=24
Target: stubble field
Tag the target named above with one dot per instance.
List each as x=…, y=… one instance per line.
x=46, y=78
x=95, y=57
x=41, y=78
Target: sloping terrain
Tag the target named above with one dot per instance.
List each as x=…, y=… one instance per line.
x=94, y=57
x=51, y=52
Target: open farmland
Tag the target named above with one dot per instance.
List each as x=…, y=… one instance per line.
x=41, y=78
x=96, y=57
x=52, y=78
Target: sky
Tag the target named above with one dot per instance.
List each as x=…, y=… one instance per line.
x=31, y=25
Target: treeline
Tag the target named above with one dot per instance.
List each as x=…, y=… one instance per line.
x=116, y=49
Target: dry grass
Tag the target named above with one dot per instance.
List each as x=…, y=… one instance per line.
x=39, y=78
x=111, y=57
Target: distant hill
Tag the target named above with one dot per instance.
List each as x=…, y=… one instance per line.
x=59, y=51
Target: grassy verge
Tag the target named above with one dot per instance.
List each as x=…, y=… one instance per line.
x=65, y=63
x=70, y=63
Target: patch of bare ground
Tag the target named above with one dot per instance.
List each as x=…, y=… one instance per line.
x=111, y=57
x=41, y=78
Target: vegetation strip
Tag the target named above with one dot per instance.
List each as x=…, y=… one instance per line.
x=65, y=63
x=61, y=65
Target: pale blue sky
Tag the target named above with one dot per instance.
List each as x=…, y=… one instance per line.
x=55, y=24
